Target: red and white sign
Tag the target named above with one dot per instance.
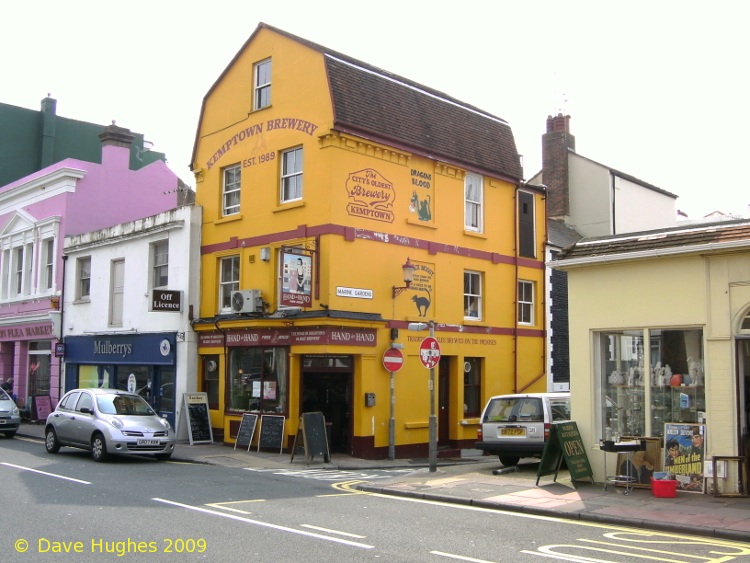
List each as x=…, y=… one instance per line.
x=429, y=352
x=393, y=359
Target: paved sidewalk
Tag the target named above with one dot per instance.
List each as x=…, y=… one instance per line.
x=472, y=480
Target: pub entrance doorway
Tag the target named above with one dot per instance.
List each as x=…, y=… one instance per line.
x=327, y=388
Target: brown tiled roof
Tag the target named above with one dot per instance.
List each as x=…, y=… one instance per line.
x=381, y=106
x=398, y=112
x=689, y=238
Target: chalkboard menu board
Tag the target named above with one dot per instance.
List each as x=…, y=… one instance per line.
x=271, y=432
x=565, y=442
x=199, y=422
x=246, y=431
x=312, y=437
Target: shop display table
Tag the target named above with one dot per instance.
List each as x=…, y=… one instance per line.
x=610, y=446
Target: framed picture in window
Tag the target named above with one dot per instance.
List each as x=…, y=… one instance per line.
x=640, y=465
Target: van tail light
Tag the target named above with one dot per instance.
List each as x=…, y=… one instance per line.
x=547, y=426
x=479, y=433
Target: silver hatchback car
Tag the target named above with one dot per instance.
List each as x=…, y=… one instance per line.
x=108, y=421
x=10, y=416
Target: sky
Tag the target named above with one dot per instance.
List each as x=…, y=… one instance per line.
x=655, y=89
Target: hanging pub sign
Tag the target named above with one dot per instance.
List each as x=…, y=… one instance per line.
x=296, y=276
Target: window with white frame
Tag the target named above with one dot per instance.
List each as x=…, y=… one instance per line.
x=231, y=190
x=6, y=272
x=160, y=261
x=48, y=259
x=262, y=85
x=291, y=175
x=229, y=281
x=472, y=295
x=28, y=258
x=39, y=367
x=117, y=292
x=83, y=278
x=473, y=203
x=525, y=302
x=18, y=269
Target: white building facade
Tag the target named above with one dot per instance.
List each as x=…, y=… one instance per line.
x=128, y=302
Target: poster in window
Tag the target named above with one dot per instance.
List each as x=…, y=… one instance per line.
x=256, y=389
x=684, y=452
x=296, y=287
x=269, y=390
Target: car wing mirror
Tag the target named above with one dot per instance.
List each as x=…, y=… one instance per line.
x=86, y=410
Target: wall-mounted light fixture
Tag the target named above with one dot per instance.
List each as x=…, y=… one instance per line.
x=408, y=270
x=265, y=254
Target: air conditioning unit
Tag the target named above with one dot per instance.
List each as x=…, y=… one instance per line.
x=247, y=301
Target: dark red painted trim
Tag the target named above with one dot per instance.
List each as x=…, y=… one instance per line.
x=352, y=233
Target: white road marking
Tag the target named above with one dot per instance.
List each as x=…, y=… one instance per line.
x=223, y=505
x=460, y=557
x=264, y=524
x=332, y=531
x=45, y=473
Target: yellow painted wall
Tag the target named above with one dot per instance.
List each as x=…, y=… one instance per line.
x=342, y=176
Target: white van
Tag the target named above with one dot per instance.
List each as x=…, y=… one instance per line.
x=516, y=426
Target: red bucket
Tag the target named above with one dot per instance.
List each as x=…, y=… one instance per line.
x=664, y=488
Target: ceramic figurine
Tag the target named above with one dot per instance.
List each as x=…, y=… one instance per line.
x=616, y=378
x=658, y=377
x=695, y=369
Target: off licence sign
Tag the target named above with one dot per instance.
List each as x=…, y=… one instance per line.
x=393, y=359
x=429, y=352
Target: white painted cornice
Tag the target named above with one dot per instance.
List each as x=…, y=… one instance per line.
x=57, y=181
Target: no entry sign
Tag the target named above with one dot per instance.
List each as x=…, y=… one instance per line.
x=393, y=359
x=429, y=352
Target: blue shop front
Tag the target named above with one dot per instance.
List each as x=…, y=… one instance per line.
x=140, y=363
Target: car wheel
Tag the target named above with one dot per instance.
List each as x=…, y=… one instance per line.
x=10, y=434
x=163, y=457
x=98, y=448
x=508, y=461
x=51, y=442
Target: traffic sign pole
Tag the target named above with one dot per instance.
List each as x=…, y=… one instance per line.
x=429, y=355
x=393, y=360
x=433, y=420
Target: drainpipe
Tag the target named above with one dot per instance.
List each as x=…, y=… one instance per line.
x=515, y=309
x=226, y=355
x=60, y=339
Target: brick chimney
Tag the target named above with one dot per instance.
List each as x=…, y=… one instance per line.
x=116, y=143
x=49, y=122
x=556, y=143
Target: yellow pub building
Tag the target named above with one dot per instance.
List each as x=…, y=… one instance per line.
x=350, y=214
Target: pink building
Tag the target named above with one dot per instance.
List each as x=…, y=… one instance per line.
x=36, y=213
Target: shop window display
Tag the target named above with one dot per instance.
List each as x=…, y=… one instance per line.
x=650, y=378
x=258, y=379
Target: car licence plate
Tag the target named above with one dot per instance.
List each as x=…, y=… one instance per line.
x=148, y=442
x=513, y=432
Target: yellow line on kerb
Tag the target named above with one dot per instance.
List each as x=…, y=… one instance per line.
x=346, y=488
